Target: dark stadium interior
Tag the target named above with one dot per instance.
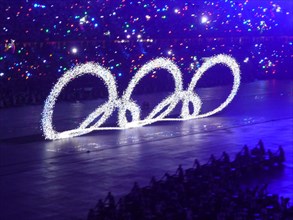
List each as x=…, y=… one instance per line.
x=236, y=164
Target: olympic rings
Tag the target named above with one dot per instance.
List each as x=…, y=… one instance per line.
x=125, y=103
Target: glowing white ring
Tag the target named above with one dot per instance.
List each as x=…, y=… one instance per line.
x=126, y=103
x=107, y=108
x=210, y=62
x=161, y=63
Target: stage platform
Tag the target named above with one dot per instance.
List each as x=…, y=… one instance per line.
x=63, y=179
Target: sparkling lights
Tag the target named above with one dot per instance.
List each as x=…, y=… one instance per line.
x=125, y=103
x=74, y=50
x=49, y=28
x=204, y=19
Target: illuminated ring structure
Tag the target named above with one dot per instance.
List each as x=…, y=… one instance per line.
x=125, y=103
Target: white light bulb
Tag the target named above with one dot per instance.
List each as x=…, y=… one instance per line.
x=74, y=50
x=204, y=19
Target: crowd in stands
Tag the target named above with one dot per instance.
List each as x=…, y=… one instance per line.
x=215, y=190
x=123, y=35
x=35, y=92
x=78, y=20
x=33, y=87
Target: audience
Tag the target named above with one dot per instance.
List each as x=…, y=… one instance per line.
x=123, y=35
x=215, y=190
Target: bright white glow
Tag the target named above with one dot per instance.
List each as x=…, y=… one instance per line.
x=125, y=103
x=204, y=19
x=82, y=20
x=74, y=50
x=105, y=110
x=138, y=36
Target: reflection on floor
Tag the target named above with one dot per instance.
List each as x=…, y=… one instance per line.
x=62, y=179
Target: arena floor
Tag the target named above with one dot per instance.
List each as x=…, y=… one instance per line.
x=62, y=179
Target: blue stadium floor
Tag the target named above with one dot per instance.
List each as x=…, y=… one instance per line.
x=62, y=179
